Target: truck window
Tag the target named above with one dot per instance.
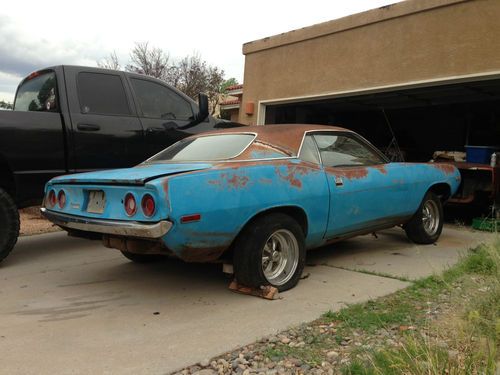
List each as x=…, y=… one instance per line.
x=37, y=93
x=102, y=94
x=157, y=101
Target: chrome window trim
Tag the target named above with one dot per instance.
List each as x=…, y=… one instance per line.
x=356, y=136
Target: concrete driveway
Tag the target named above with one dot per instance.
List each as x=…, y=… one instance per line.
x=71, y=306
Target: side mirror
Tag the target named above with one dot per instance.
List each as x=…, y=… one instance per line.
x=202, y=112
x=202, y=107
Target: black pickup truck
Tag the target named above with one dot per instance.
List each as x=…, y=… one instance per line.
x=69, y=119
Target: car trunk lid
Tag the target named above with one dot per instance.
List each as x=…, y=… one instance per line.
x=130, y=176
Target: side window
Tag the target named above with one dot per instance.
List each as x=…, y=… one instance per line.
x=157, y=101
x=101, y=93
x=309, y=150
x=338, y=150
x=37, y=94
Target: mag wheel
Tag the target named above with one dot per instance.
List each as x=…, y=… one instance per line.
x=426, y=225
x=270, y=251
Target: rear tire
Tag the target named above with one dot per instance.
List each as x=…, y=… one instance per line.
x=426, y=225
x=9, y=227
x=270, y=251
x=143, y=258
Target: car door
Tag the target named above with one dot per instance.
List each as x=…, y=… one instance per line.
x=163, y=113
x=366, y=192
x=106, y=130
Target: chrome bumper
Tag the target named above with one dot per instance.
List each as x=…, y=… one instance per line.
x=121, y=228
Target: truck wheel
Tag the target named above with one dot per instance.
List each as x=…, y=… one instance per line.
x=142, y=258
x=426, y=225
x=9, y=227
x=270, y=251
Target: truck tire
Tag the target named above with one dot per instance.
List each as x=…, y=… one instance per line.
x=9, y=224
x=270, y=251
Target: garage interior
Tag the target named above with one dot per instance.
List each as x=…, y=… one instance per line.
x=412, y=124
x=423, y=120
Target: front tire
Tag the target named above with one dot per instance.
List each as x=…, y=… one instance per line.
x=426, y=225
x=9, y=224
x=270, y=251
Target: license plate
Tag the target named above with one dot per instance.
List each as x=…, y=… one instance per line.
x=97, y=201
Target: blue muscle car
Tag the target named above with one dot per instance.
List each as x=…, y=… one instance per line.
x=256, y=196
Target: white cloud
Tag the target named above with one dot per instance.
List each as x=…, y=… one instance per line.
x=82, y=33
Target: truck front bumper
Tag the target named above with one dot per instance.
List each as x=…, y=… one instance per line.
x=121, y=228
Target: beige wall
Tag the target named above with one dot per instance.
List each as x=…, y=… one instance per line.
x=416, y=40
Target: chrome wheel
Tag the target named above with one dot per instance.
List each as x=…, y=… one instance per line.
x=280, y=257
x=430, y=217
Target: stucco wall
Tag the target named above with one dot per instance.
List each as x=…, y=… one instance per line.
x=410, y=41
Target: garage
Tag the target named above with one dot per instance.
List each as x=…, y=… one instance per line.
x=408, y=124
x=414, y=78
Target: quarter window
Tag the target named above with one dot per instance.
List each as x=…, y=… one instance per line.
x=338, y=150
x=157, y=101
x=101, y=93
x=309, y=151
x=37, y=94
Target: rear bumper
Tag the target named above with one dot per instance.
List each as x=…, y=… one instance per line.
x=121, y=228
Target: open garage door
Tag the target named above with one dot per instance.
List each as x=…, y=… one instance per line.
x=424, y=120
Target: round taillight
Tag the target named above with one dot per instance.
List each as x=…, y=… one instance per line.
x=130, y=205
x=61, y=199
x=51, y=198
x=148, y=205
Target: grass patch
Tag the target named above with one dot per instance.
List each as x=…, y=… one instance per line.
x=442, y=324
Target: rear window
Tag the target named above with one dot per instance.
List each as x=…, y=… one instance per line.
x=206, y=148
x=37, y=94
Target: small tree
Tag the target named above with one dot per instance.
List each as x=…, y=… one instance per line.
x=193, y=75
x=6, y=105
x=110, y=62
x=149, y=61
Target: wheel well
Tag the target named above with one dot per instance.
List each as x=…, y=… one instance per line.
x=7, y=179
x=296, y=213
x=442, y=190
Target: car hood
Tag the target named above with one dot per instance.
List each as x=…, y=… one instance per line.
x=131, y=176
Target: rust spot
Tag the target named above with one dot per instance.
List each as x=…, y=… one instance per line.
x=350, y=174
x=215, y=182
x=292, y=173
x=380, y=168
x=446, y=168
x=231, y=181
x=238, y=181
x=165, y=187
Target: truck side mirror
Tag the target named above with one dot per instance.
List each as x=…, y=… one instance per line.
x=202, y=107
x=202, y=112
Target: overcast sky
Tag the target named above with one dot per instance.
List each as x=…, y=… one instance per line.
x=38, y=34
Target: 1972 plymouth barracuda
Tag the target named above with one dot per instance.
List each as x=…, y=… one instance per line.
x=258, y=196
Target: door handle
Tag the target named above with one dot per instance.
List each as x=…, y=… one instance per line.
x=155, y=130
x=88, y=127
x=339, y=181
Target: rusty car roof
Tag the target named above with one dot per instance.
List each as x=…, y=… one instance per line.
x=284, y=136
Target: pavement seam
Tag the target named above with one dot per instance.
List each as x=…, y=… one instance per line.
x=366, y=272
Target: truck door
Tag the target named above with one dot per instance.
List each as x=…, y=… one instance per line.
x=163, y=112
x=33, y=136
x=106, y=130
